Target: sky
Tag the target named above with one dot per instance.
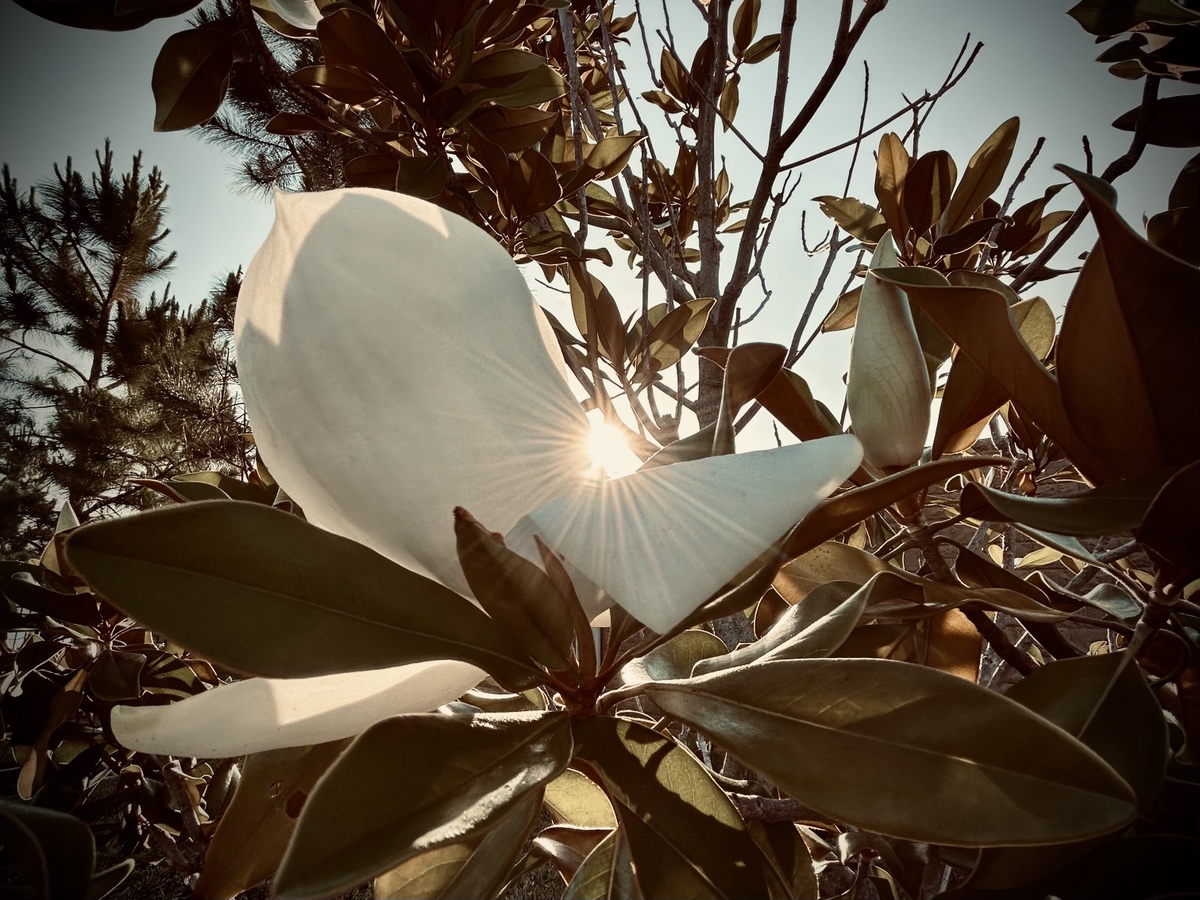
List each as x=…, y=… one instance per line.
x=66, y=91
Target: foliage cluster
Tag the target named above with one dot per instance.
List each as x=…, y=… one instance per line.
x=857, y=739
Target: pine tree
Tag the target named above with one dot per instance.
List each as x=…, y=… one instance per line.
x=100, y=383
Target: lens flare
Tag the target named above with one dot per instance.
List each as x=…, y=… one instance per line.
x=608, y=450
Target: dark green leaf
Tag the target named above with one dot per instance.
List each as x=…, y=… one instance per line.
x=1103, y=510
x=904, y=750
x=1105, y=17
x=232, y=572
x=55, y=852
x=685, y=837
x=518, y=595
x=475, y=867
x=815, y=627
x=254, y=831
x=1174, y=122
x=674, y=659
x=412, y=783
x=191, y=75
x=927, y=189
x=1171, y=525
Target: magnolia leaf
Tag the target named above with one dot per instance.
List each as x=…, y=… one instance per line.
x=106, y=15
x=191, y=76
x=674, y=659
x=888, y=390
x=982, y=177
x=412, y=783
x=854, y=217
x=1186, y=189
x=350, y=37
x=830, y=561
x=844, y=312
x=229, y=487
x=693, y=847
x=568, y=846
x=346, y=85
x=833, y=516
x=254, y=830
x=421, y=176
x=1103, y=510
x=749, y=368
x=790, y=400
x=745, y=24
x=762, y=49
x=596, y=315
x=574, y=799
x=1178, y=232
x=927, y=189
x=676, y=332
x=813, y=628
x=1171, y=528
x=514, y=130
x=1155, y=312
x=1174, y=121
x=518, y=595
x=1107, y=17
x=234, y=571
x=977, y=319
x=1105, y=702
x=606, y=873
x=475, y=867
x=970, y=397
x=905, y=751
x=54, y=851
x=891, y=169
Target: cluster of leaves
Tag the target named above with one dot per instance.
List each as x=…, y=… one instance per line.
x=859, y=738
x=100, y=385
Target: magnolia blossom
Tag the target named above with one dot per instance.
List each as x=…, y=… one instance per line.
x=300, y=13
x=888, y=392
x=394, y=367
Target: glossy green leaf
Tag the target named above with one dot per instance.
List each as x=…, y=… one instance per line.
x=685, y=837
x=813, y=628
x=191, y=75
x=607, y=873
x=567, y=846
x=514, y=130
x=1105, y=702
x=982, y=177
x=105, y=15
x=1171, y=525
x=475, y=867
x=54, y=852
x=233, y=572
x=412, y=783
x=1156, y=313
x=518, y=595
x=891, y=168
x=905, y=751
x=254, y=831
x=351, y=38
x=1175, y=121
x=840, y=513
x=854, y=217
x=927, y=189
x=674, y=659
x=977, y=319
x=971, y=397
x=574, y=799
x=1106, y=17
x=1102, y=510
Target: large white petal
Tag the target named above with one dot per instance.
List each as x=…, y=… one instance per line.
x=660, y=542
x=395, y=366
x=269, y=713
x=300, y=13
x=888, y=391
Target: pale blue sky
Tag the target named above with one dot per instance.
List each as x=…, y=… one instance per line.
x=67, y=90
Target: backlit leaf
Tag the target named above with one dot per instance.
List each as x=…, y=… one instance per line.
x=412, y=783
x=854, y=217
x=982, y=177
x=191, y=75
x=685, y=837
x=906, y=751
x=233, y=571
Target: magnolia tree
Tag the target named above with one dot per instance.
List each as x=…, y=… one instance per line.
x=472, y=652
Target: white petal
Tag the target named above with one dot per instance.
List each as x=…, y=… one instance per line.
x=300, y=13
x=660, y=542
x=395, y=366
x=269, y=713
x=888, y=393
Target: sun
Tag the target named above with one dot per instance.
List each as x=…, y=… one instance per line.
x=608, y=450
